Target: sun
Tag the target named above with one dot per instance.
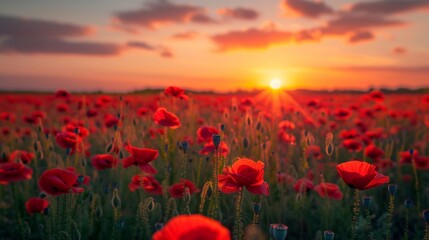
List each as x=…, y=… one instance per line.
x=275, y=83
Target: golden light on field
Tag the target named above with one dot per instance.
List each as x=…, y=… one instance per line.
x=275, y=83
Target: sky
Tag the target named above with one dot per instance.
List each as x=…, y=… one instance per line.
x=121, y=46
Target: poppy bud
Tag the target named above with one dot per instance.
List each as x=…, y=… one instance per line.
x=408, y=203
x=367, y=201
x=68, y=151
x=245, y=142
x=158, y=226
x=426, y=215
x=216, y=140
x=280, y=232
x=392, y=189
x=222, y=127
x=328, y=235
x=166, y=147
x=80, y=179
x=258, y=125
x=46, y=211
x=257, y=207
x=185, y=146
x=43, y=195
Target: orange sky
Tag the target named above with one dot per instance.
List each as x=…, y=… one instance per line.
x=213, y=45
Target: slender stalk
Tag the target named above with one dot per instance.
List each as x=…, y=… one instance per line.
x=416, y=183
x=238, y=224
x=369, y=224
x=390, y=216
x=356, y=211
x=407, y=222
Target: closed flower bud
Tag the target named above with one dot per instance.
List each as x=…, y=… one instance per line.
x=367, y=201
x=216, y=140
x=245, y=143
x=392, y=189
x=80, y=179
x=185, y=146
x=46, y=211
x=222, y=127
x=280, y=232
x=43, y=195
x=328, y=235
x=257, y=207
x=158, y=226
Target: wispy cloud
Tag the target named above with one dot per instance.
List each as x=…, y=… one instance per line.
x=311, y=9
x=238, y=13
x=154, y=14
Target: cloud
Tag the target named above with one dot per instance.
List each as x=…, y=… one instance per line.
x=161, y=12
x=239, y=13
x=141, y=45
x=29, y=28
x=251, y=39
x=311, y=9
x=399, y=50
x=396, y=69
x=351, y=22
x=387, y=7
x=161, y=50
x=57, y=46
x=361, y=36
x=185, y=35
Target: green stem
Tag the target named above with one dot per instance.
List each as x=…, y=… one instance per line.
x=369, y=224
x=356, y=211
x=390, y=216
x=407, y=219
x=238, y=225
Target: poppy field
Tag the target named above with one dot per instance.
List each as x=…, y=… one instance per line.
x=177, y=165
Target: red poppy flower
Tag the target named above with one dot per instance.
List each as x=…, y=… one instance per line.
x=21, y=155
x=286, y=125
x=14, y=172
x=376, y=95
x=62, y=94
x=205, y=133
x=361, y=175
x=104, y=161
x=69, y=140
x=178, y=190
x=110, y=120
x=373, y=152
x=192, y=227
x=422, y=162
x=342, y=114
x=209, y=148
x=303, y=185
x=244, y=173
x=61, y=181
x=148, y=183
x=314, y=152
x=285, y=137
x=164, y=118
x=329, y=190
x=174, y=91
x=352, y=145
x=36, y=205
x=141, y=157
x=349, y=134
x=81, y=131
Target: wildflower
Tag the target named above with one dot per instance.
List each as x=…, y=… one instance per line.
x=61, y=181
x=329, y=190
x=244, y=173
x=178, y=190
x=148, y=183
x=192, y=227
x=361, y=175
x=14, y=172
x=141, y=157
x=36, y=205
x=103, y=161
x=164, y=118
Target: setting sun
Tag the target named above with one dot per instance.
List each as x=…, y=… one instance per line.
x=275, y=83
